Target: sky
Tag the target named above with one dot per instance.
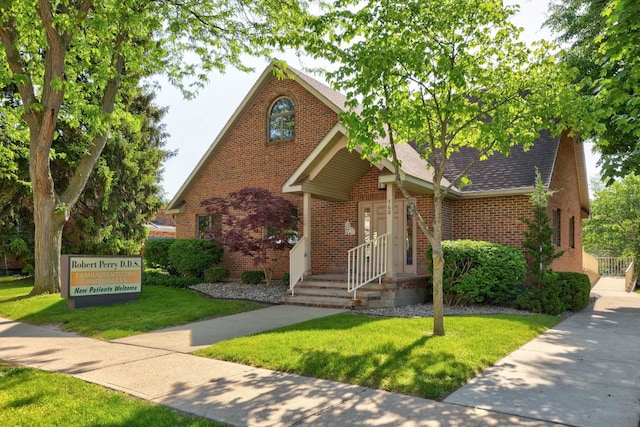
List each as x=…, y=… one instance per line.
x=194, y=124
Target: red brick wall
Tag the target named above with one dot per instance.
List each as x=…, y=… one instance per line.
x=329, y=244
x=161, y=234
x=244, y=158
x=493, y=219
x=567, y=199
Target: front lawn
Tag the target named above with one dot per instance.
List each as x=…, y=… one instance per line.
x=393, y=354
x=156, y=307
x=29, y=397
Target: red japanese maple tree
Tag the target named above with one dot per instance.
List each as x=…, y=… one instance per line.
x=256, y=223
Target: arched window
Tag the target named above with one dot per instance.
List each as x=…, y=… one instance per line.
x=281, y=121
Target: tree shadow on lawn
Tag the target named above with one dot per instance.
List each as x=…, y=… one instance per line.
x=401, y=369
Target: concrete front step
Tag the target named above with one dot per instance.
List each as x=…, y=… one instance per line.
x=321, y=284
x=326, y=302
x=329, y=294
x=335, y=293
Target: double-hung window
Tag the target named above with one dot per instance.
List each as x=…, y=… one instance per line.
x=207, y=225
x=555, y=224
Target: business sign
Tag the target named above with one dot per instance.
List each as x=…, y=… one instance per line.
x=100, y=280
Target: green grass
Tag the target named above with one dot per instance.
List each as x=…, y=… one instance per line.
x=156, y=307
x=393, y=354
x=29, y=397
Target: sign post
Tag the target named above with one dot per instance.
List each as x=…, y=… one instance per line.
x=100, y=280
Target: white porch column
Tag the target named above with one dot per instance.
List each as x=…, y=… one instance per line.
x=306, y=226
x=391, y=265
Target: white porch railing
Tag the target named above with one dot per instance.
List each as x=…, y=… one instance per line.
x=366, y=263
x=297, y=263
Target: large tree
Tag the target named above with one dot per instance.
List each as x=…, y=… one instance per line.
x=72, y=59
x=121, y=196
x=442, y=74
x=603, y=44
x=614, y=226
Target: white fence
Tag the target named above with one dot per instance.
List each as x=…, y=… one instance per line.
x=613, y=266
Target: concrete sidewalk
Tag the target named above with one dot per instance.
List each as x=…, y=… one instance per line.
x=576, y=374
x=194, y=336
x=584, y=372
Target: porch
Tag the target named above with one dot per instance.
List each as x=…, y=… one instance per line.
x=355, y=222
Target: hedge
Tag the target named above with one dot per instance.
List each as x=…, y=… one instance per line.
x=216, y=274
x=252, y=277
x=481, y=272
x=559, y=292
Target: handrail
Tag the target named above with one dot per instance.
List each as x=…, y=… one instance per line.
x=629, y=283
x=297, y=264
x=366, y=263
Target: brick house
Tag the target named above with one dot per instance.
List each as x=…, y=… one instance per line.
x=286, y=137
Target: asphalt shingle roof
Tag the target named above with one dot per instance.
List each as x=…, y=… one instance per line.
x=505, y=173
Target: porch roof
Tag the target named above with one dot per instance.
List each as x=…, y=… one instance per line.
x=332, y=170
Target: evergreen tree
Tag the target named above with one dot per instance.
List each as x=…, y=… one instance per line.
x=538, y=237
x=123, y=193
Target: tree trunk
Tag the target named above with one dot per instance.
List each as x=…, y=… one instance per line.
x=48, y=243
x=48, y=218
x=438, y=263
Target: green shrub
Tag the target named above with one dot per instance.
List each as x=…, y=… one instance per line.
x=216, y=274
x=191, y=257
x=575, y=290
x=285, y=279
x=559, y=292
x=481, y=272
x=156, y=254
x=544, y=298
x=252, y=277
x=161, y=279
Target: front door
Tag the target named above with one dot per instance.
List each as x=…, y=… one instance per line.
x=373, y=218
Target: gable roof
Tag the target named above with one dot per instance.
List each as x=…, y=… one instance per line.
x=516, y=173
x=331, y=98
x=334, y=99
x=499, y=174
